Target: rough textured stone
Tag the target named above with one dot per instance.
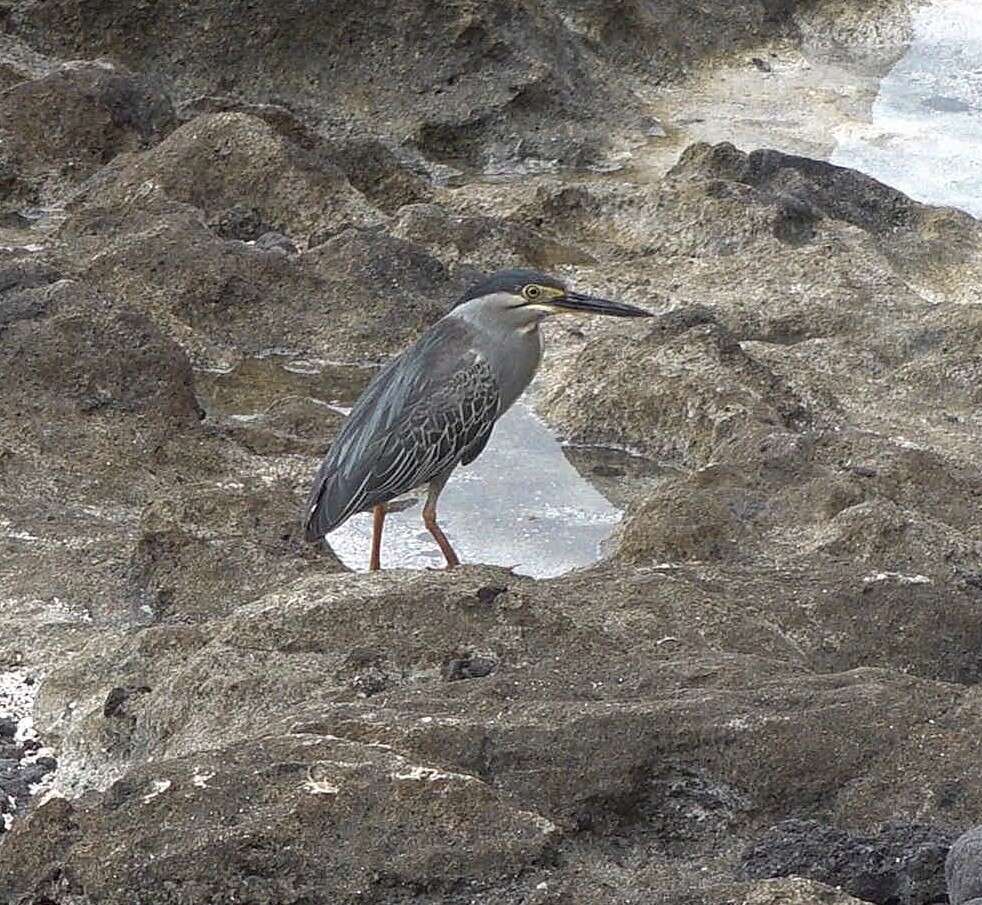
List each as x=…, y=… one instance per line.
x=235, y=161
x=69, y=122
x=338, y=796
x=963, y=869
x=903, y=863
x=788, y=627
x=56, y=349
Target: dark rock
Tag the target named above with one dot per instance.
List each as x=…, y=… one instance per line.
x=469, y=667
x=864, y=471
x=25, y=275
x=836, y=192
x=963, y=869
x=272, y=241
x=8, y=727
x=488, y=594
x=543, y=69
x=31, y=773
x=243, y=223
x=902, y=864
x=47, y=764
x=117, y=698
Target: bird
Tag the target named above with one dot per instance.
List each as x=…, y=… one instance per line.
x=434, y=406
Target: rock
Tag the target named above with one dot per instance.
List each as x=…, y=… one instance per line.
x=792, y=891
x=57, y=350
x=289, y=655
x=238, y=543
x=903, y=863
x=316, y=831
x=231, y=165
x=469, y=667
x=788, y=623
x=664, y=394
x=72, y=120
x=486, y=242
x=17, y=275
x=678, y=523
x=116, y=699
x=963, y=868
x=19, y=63
x=373, y=291
x=240, y=223
x=549, y=74
x=374, y=168
x=273, y=241
x=8, y=727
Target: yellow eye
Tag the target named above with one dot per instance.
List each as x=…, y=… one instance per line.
x=532, y=292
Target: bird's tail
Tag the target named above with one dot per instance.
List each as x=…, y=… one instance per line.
x=317, y=517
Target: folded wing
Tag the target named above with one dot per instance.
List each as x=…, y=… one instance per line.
x=427, y=410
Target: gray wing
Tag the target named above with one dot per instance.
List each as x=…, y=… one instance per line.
x=430, y=408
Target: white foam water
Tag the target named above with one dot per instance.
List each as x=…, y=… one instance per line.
x=925, y=135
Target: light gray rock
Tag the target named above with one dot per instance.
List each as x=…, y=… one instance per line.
x=963, y=869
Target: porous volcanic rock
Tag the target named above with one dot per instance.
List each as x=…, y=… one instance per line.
x=903, y=864
x=225, y=160
x=307, y=826
x=789, y=623
x=962, y=868
x=54, y=357
x=493, y=85
x=705, y=727
x=71, y=121
x=357, y=296
x=201, y=552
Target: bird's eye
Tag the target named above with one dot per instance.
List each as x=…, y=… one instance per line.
x=531, y=292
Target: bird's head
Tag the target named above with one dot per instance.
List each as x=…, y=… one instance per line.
x=521, y=298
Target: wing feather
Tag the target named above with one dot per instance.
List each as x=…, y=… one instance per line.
x=427, y=410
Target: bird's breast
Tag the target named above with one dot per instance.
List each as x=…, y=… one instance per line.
x=514, y=365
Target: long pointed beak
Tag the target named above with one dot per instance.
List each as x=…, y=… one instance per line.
x=588, y=304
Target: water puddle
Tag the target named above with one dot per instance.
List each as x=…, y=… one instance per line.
x=925, y=134
x=521, y=504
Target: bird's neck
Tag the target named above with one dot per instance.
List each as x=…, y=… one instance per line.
x=512, y=350
x=515, y=362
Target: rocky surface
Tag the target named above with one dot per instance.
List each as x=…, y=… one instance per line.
x=963, y=868
x=903, y=863
x=215, y=223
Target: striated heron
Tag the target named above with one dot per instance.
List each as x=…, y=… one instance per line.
x=433, y=407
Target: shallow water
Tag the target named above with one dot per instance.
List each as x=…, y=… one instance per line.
x=521, y=503
x=925, y=137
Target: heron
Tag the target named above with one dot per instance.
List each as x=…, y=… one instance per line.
x=433, y=407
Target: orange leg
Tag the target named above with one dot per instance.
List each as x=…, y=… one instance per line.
x=429, y=519
x=378, y=518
